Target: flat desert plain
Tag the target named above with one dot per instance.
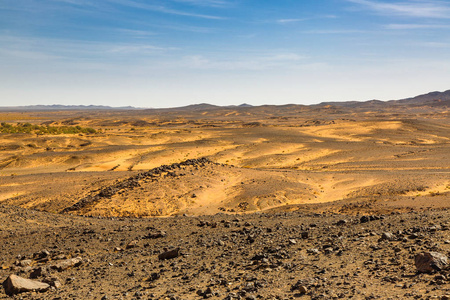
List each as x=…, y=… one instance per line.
x=331, y=201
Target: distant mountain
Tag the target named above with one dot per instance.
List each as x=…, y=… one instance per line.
x=245, y=105
x=432, y=99
x=201, y=106
x=188, y=108
x=59, y=107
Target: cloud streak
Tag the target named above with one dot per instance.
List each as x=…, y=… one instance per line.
x=207, y=3
x=163, y=9
x=283, y=60
x=417, y=9
x=286, y=21
x=334, y=31
x=415, y=26
x=109, y=6
x=295, y=20
x=75, y=50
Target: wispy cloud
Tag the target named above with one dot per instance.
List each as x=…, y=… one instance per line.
x=295, y=20
x=210, y=3
x=109, y=6
x=418, y=8
x=334, y=31
x=251, y=63
x=77, y=2
x=439, y=45
x=136, y=48
x=136, y=33
x=163, y=9
x=75, y=50
x=416, y=26
x=284, y=57
x=286, y=21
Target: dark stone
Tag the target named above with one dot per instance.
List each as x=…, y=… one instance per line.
x=169, y=254
x=428, y=262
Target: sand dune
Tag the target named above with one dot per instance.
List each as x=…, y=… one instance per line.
x=261, y=159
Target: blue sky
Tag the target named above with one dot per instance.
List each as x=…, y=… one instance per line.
x=163, y=53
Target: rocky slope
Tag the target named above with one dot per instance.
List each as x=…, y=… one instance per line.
x=290, y=255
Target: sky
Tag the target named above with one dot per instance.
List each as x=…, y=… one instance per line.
x=168, y=53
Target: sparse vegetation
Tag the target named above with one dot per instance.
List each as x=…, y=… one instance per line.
x=43, y=129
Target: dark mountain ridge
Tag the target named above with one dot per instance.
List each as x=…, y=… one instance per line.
x=432, y=99
x=59, y=107
x=429, y=99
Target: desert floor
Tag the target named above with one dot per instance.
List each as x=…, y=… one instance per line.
x=252, y=197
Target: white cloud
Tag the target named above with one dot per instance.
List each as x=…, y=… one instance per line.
x=419, y=8
x=136, y=33
x=163, y=9
x=135, y=48
x=334, y=31
x=285, y=57
x=27, y=55
x=249, y=63
x=415, y=26
x=105, y=6
x=74, y=50
x=295, y=20
x=434, y=44
x=286, y=21
x=211, y=3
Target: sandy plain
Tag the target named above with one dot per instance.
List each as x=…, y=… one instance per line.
x=298, y=166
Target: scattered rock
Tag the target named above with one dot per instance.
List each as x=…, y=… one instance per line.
x=341, y=222
x=132, y=244
x=169, y=254
x=428, y=262
x=41, y=255
x=68, y=263
x=38, y=272
x=313, y=251
x=387, y=236
x=154, y=276
x=364, y=219
x=300, y=287
x=53, y=281
x=156, y=234
x=25, y=263
x=16, y=284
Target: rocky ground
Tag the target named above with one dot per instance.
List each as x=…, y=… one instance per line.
x=286, y=255
x=342, y=201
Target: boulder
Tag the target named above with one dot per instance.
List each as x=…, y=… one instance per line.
x=364, y=219
x=169, y=254
x=387, y=236
x=156, y=234
x=68, y=263
x=132, y=244
x=53, y=281
x=15, y=284
x=428, y=262
x=25, y=263
x=38, y=272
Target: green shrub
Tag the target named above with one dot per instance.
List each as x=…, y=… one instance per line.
x=44, y=129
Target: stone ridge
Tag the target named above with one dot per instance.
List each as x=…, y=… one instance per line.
x=133, y=182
